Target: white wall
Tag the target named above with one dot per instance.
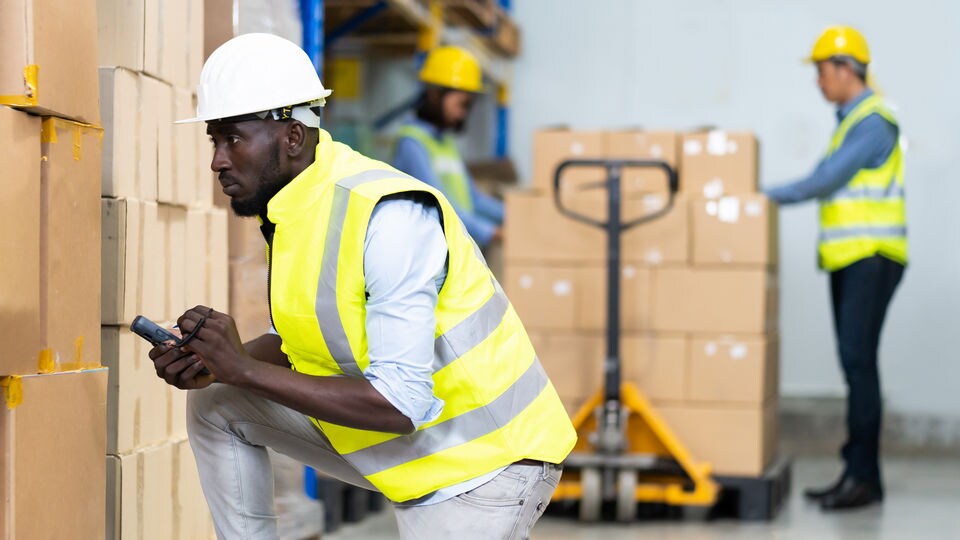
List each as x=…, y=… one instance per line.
x=736, y=65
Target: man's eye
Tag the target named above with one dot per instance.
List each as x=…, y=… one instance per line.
x=233, y=139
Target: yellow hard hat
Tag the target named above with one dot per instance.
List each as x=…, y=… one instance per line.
x=452, y=67
x=840, y=41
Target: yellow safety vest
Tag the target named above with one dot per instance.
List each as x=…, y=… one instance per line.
x=446, y=162
x=499, y=405
x=868, y=215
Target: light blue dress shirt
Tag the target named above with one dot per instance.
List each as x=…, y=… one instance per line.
x=412, y=158
x=867, y=145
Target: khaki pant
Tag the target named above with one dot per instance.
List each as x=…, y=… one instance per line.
x=230, y=430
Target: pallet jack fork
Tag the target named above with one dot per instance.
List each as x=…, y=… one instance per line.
x=626, y=453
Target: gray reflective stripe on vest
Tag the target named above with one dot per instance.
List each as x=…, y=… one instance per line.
x=471, y=331
x=893, y=191
x=331, y=327
x=845, y=233
x=455, y=431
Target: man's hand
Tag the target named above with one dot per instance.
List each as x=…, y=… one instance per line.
x=178, y=367
x=217, y=343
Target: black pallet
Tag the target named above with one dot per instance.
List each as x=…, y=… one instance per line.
x=755, y=498
x=330, y=491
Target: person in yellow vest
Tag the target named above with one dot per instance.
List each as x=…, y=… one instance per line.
x=396, y=363
x=425, y=148
x=863, y=245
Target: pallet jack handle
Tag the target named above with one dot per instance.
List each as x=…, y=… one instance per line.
x=614, y=227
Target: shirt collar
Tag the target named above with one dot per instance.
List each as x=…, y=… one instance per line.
x=846, y=109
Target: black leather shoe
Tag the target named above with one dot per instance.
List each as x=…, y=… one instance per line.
x=851, y=493
x=817, y=494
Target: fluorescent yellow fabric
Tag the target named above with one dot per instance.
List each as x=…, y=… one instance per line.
x=499, y=405
x=446, y=162
x=868, y=216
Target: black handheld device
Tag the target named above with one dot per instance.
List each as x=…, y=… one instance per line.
x=151, y=331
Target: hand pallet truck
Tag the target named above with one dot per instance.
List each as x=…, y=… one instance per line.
x=626, y=454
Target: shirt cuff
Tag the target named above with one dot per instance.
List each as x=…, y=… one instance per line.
x=420, y=411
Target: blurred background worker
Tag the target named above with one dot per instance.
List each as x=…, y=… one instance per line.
x=426, y=149
x=863, y=244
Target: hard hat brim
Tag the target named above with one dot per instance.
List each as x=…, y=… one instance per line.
x=325, y=94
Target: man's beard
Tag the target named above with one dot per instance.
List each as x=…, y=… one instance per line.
x=269, y=184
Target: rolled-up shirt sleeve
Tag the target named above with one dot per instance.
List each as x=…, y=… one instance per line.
x=404, y=261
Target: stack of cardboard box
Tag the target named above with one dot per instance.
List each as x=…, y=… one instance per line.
x=698, y=285
x=164, y=251
x=52, y=420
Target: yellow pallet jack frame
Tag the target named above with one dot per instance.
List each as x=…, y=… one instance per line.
x=625, y=452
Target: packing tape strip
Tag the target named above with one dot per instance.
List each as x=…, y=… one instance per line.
x=28, y=99
x=46, y=362
x=12, y=390
x=48, y=133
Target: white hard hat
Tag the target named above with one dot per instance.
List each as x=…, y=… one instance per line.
x=255, y=73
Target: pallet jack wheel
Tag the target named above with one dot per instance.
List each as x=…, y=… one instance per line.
x=626, y=495
x=591, y=496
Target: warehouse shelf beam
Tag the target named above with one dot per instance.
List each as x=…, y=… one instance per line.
x=311, y=15
x=354, y=22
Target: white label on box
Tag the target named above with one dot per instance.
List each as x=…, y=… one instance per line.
x=562, y=287
x=710, y=349
x=732, y=146
x=692, y=147
x=576, y=148
x=738, y=351
x=654, y=256
x=629, y=271
x=753, y=209
x=712, y=208
x=656, y=151
x=726, y=256
x=717, y=143
x=713, y=189
x=728, y=210
x=526, y=281
x=653, y=202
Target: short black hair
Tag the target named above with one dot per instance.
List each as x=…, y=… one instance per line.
x=858, y=67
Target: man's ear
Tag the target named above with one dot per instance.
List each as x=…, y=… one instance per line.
x=295, y=139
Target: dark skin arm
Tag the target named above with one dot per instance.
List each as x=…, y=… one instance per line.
x=260, y=367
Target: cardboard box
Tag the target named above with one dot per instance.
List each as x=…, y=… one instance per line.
x=717, y=163
x=553, y=146
x=197, y=288
x=49, y=60
x=206, y=180
x=714, y=300
x=644, y=145
x=138, y=413
x=155, y=494
x=218, y=24
x=574, y=363
x=635, y=298
x=246, y=240
x=735, y=230
x=153, y=280
x=166, y=188
x=139, y=494
x=736, y=441
x=544, y=297
x=70, y=244
x=20, y=221
x=248, y=297
x=159, y=37
x=148, y=133
x=734, y=369
x=537, y=232
x=174, y=221
x=52, y=433
x=185, y=180
x=120, y=260
x=657, y=365
x=120, y=105
x=218, y=259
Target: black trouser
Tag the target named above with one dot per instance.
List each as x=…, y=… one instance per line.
x=861, y=294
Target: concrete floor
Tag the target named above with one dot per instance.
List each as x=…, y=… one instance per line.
x=923, y=502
